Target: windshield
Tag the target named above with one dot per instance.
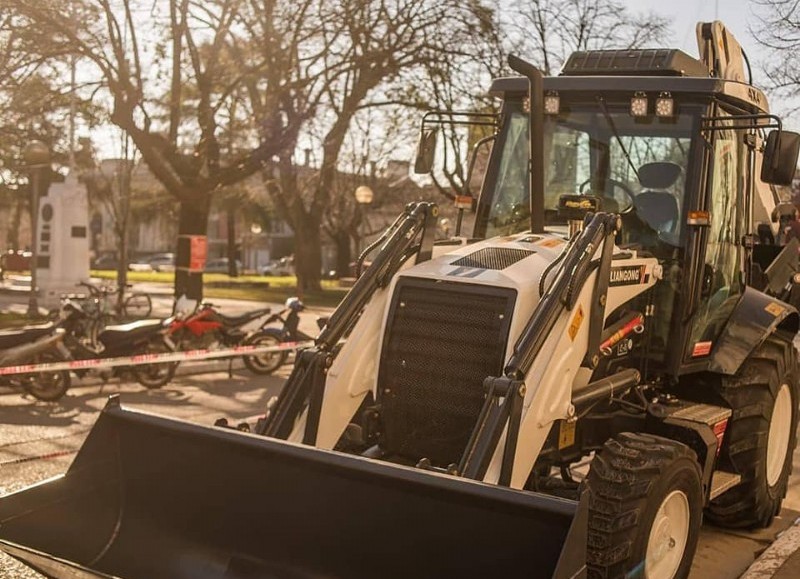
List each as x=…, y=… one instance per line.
x=641, y=168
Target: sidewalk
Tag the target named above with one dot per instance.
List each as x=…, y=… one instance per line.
x=16, y=284
x=781, y=560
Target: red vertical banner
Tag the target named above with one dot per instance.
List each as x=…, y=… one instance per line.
x=198, y=252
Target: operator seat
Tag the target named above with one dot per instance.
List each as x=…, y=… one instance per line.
x=655, y=204
x=655, y=207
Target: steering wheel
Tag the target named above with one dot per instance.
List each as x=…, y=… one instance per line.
x=614, y=183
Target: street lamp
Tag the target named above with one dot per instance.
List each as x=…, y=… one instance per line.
x=37, y=160
x=364, y=197
x=250, y=245
x=444, y=224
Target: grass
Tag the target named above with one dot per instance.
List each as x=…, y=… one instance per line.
x=169, y=277
x=247, y=287
x=12, y=320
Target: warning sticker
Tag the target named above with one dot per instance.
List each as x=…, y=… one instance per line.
x=575, y=324
x=701, y=349
x=566, y=434
x=775, y=309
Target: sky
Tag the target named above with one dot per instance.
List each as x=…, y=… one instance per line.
x=685, y=14
x=739, y=16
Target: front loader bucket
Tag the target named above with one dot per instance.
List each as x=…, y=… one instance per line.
x=155, y=498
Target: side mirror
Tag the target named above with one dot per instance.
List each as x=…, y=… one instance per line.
x=425, y=151
x=780, y=157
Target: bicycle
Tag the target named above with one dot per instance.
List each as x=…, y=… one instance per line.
x=136, y=305
x=101, y=309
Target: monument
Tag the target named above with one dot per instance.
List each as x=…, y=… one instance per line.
x=62, y=240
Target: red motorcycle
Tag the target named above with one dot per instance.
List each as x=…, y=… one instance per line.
x=207, y=328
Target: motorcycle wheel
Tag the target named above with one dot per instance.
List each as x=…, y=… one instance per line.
x=267, y=362
x=47, y=386
x=153, y=376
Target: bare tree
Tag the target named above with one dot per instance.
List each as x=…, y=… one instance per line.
x=187, y=50
x=777, y=28
x=111, y=186
x=548, y=31
x=372, y=48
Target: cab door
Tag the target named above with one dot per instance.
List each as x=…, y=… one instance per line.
x=719, y=281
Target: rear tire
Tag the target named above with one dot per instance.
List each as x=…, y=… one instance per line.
x=761, y=436
x=48, y=386
x=153, y=376
x=645, y=508
x=267, y=362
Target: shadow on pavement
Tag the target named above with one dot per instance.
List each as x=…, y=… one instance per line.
x=241, y=395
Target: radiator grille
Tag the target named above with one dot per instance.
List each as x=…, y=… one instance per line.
x=441, y=342
x=493, y=257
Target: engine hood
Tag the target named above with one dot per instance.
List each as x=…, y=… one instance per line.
x=515, y=261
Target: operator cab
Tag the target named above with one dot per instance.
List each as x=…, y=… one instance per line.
x=634, y=165
x=678, y=148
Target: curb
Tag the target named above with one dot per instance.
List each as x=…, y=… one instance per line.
x=771, y=560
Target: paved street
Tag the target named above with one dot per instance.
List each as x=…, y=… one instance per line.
x=38, y=440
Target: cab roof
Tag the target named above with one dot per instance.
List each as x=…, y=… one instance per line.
x=738, y=93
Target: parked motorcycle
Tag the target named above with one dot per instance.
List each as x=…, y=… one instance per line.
x=33, y=345
x=289, y=317
x=148, y=336
x=207, y=328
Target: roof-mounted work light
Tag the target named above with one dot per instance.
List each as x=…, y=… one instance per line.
x=552, y=103
x=665, y=106
x=639, y=105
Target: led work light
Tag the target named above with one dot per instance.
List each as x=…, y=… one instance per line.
x=639, y=105
x=552, y=103
x=665, y=106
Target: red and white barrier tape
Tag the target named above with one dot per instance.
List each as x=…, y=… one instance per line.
x=141, y=359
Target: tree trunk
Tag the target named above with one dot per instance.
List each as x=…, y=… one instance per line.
x=233, y=270
x=192, y=223
x=13, y=231
x=122, y=265
x=343, y=253
x=308, y=254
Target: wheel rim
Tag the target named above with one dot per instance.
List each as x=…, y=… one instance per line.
x=779, y=433
x=668, y=537
x=46, y=385
x=267, y=360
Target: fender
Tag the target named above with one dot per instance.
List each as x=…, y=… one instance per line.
x=755, y=317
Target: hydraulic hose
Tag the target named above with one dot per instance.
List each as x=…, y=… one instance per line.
x=555, y=262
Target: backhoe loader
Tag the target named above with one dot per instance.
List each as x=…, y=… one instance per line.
x=566, y=394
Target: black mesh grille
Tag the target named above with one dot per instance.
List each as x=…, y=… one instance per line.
x=441, y=342
x=493, y=257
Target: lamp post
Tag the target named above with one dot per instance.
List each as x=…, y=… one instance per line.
x=364, y=197
x=255, y=231
x=37, y=160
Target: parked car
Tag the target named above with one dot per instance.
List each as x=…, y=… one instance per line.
x=162, y=262
x=139, y=265
x=107, y=262
x=220, y=265
x=14, y=261
x=283, y=266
